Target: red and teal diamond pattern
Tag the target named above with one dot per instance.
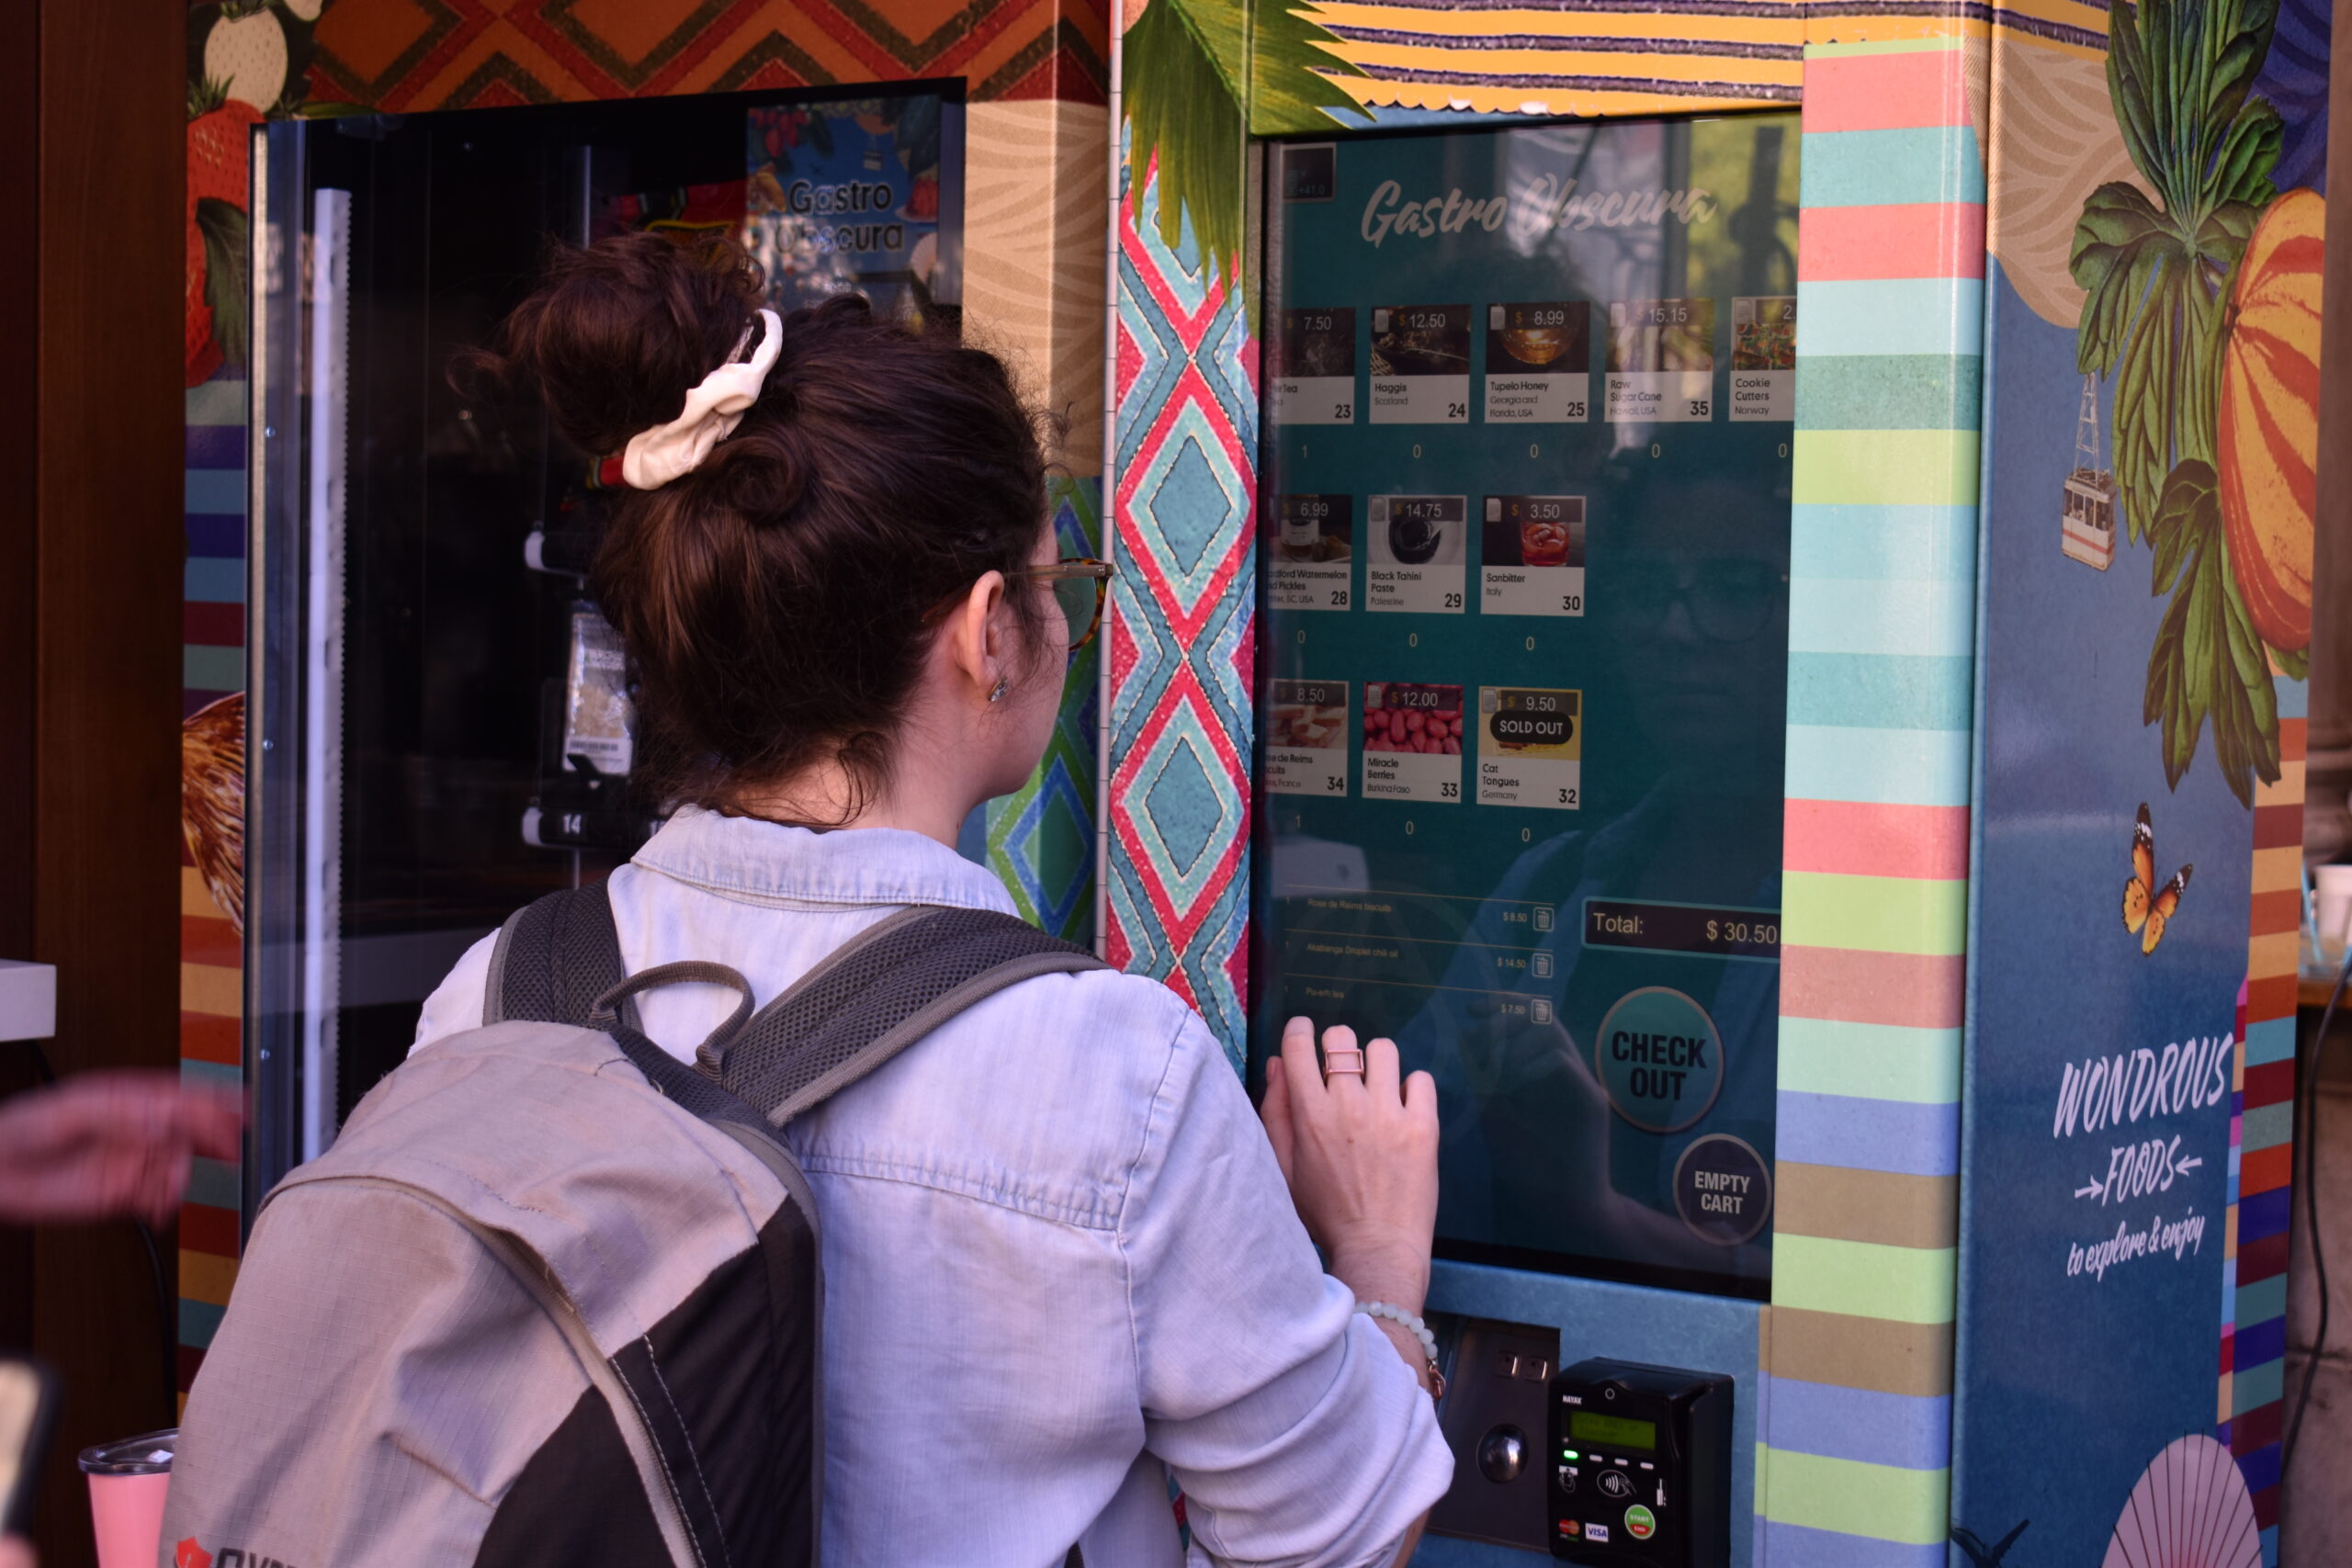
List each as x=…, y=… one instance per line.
x=1183, y=615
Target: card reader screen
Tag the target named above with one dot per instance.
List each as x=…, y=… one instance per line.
x=1613, y=1432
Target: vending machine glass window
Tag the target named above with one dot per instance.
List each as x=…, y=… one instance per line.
x=441, y=719
x=1528, y=404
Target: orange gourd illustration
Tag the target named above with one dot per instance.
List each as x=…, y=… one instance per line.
x=2270, y=418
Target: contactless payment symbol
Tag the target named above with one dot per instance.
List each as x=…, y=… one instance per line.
x=1659, y=1059
x=1722, y=1189
x=1640, y=1523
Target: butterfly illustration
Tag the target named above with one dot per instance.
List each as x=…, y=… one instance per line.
x=2142, y=906
x=1982, y=1556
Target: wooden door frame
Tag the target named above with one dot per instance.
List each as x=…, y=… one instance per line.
x=93, y=154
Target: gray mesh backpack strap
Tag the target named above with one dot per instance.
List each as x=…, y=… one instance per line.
x=878, y=994
x=555, y=957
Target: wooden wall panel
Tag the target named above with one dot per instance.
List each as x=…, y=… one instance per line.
x=104, y=509
x=19, y=126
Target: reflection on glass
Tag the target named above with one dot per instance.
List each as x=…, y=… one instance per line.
x=452, y=730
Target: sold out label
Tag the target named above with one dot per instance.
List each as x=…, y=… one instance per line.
x=1659, y=1059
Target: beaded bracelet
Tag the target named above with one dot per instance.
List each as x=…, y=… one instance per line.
x=1412, y=1324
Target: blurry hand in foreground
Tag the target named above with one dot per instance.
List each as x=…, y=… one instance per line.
x=16, y=1553
x=100, y=1144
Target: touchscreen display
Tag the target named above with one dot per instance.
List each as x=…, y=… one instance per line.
x=1523, y=675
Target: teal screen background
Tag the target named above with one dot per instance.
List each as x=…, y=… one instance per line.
x=1420, y=918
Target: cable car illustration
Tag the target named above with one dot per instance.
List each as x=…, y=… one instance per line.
x=2087, y=526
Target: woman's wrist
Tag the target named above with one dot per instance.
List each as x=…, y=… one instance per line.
x=1389, y=1273
x=1408, y=1346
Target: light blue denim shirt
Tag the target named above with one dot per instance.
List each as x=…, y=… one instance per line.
x=1061, y=1263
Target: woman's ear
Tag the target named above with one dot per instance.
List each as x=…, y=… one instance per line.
x=980, y=638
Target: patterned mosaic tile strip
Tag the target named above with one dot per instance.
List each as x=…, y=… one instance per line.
x=1184, y=608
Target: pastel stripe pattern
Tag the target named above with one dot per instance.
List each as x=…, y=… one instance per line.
x=1855, y=1456
x=212, y=660
x=2253, y=1309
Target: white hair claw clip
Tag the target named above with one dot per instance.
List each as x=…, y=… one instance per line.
x=713, y=410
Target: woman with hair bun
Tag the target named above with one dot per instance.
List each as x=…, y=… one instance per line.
x=1064, y=1261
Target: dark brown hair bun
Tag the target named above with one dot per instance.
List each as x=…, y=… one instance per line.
x=777, y=603
x=619, y=333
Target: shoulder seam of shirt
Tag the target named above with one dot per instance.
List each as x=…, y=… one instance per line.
x=1127, y=1191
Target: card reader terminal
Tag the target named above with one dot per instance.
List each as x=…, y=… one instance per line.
x=1640, y=1463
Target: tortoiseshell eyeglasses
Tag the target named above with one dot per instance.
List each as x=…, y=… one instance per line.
x=1079, y=585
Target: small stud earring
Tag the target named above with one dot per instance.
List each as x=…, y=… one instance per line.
x=998, y=694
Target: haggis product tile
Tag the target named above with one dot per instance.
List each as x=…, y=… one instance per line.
x=1421, y=365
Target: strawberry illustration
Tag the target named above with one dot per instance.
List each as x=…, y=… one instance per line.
x=218, y=158
x=203, y=355
x=218, y=145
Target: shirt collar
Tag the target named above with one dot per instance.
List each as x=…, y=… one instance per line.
x=757, y=862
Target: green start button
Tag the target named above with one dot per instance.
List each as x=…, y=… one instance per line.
x=1640, y=1523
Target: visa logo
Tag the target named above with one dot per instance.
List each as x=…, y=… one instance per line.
x=1596, y=1532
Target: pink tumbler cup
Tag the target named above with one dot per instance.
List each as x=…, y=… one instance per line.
x=128, y=1480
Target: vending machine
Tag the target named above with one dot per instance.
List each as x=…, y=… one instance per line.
x=1819, y=796
x=1524, y=575
x=441, y=721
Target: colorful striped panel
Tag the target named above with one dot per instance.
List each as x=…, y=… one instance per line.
x=1856, y=1452
x=1598, y=57
x=211, y=947
x=2254, y=1311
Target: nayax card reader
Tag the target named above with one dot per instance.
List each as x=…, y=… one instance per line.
x=1641, y=1466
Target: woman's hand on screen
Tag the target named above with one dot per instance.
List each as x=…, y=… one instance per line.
x=1358, y=1151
